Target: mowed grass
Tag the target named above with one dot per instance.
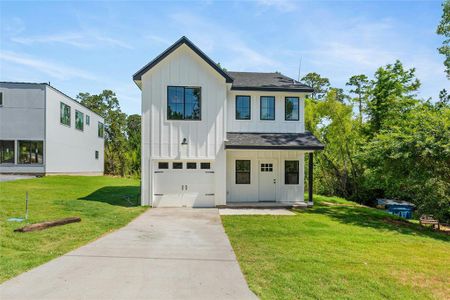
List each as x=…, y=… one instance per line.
x=103, y=203
x=339, y=250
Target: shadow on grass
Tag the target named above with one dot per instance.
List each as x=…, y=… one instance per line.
x=369, y=217
x=127, y=196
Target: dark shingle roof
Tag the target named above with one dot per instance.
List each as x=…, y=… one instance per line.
x=266, y=82
x=288, y=141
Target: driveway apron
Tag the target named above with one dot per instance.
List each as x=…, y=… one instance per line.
x=166, y=253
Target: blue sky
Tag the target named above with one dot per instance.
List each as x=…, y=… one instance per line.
x=91, y=46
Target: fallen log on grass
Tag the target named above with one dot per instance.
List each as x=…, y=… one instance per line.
x=44, y=225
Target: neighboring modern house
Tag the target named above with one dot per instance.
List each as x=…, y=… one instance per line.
x=43, y=131
x=212, y=137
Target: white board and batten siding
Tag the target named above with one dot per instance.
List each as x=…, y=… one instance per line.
x=162, y=138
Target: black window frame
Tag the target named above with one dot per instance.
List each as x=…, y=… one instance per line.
x=205, y=166
x=236, y=171
x=163, y=165
x=30, y=146
x=260, y=108
x=286, y=173
x=82, y=120
x=98, y=129
x=2, y=151
x=176, y=163
x=285, y=108
x=249, y=98
x=191, y=165
x=60, y=114
x=184, y=103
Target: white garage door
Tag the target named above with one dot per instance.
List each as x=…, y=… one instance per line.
x=183, y=187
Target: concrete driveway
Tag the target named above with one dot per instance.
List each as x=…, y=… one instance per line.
x=164, y=254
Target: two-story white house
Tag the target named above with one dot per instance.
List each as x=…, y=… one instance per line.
x=45, y=132
x=213, y=138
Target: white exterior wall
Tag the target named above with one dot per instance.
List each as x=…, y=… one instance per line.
x=257, y=125
x=69, y=150
x=251, y=192
x=162, y=138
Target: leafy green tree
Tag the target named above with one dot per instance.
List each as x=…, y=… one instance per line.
x=359, y=86
x=107, y=105
x=318, y=83
x=133, y=131
x=444, y=30
x=391, y=93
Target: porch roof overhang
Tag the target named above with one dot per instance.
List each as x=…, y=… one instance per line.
x=272, y=141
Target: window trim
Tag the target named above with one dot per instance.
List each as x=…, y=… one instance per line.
x=249, y=171
x=14, y=152
x=286, y=173
x=249, y=108
x=260, y=108
x=70, y=114
x=82, y=117
x=184, y=102
x=298, y=111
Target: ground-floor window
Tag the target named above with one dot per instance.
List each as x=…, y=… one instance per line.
x=291, y=173
x=163, y=165
x=6, y=152
x=242, y=172
x=31, y=152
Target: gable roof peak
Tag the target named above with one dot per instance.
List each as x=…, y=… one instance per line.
x=181, y=41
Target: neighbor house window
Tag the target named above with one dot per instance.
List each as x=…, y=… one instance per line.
x=291, y=172
x=101, y=130
x=7, y=152
x=243, y=110
x=291, y=109
x=65, y=114
x=96, y=154
x=163, y=165
x=267, y=107
x=242, y=172
x=31, y=152
x=205, y=165
x=183, y=103
x=79, y=120
x=191, y=165
x=1, y=99
x=177, y=165
x=88, y=120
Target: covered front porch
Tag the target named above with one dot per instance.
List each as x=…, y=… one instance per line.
x=266, y=170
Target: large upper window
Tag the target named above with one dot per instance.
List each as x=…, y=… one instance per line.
x=291, y=109
x=65, y=114
x=31, y=152
x=243, y=110
x=242, y=172
x=101, y=130
x=267, y=107
x=291, y=172
x=183, y=103
x=79, y=120
x=6, y=152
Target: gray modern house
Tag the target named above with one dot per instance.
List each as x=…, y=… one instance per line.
x=43, y=131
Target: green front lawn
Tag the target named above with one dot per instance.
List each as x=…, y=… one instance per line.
x=103, y=203
x=339, y=250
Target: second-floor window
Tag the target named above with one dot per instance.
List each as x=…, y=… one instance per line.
x=243, y=109
x=79, y=120
x=65, y=114
x=291, y=109
x=101, y=130
x=267, y=107
x=183, y=103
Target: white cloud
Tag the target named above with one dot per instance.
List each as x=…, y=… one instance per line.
x=82, y=39
x=281, y=5
x=52, y=69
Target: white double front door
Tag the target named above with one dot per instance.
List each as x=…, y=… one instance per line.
x=267, y=170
